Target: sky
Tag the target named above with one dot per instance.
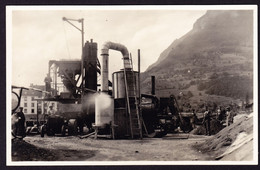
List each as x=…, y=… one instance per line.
x=39, y=35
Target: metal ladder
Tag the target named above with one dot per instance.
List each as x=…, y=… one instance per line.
x=134, y=117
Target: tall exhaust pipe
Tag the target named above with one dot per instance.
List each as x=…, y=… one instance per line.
x=153, y=85
x=104, y=53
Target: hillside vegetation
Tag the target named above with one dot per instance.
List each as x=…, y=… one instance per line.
x=214, y=59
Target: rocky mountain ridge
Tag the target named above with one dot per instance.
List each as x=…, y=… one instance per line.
x=219, y=47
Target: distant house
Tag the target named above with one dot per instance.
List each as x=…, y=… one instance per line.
x=31, y=104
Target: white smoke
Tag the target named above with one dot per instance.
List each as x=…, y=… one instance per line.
x=102, y=105
x=91, y=99
x=105, y=99
x=103, y=109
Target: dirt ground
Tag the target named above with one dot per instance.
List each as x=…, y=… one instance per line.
x=72, y=148
x=233, y=143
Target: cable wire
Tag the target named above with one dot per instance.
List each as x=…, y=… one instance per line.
x=66, y=40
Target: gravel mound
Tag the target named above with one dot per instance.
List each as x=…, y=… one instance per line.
x=229, y=143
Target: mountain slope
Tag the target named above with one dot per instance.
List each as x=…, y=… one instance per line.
x=219, y=46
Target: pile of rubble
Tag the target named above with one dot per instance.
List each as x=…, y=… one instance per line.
x=233, y=143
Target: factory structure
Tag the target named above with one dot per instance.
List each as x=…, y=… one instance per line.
x=114, y=107
x=82, y=104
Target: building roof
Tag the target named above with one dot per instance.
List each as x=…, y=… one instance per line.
x=33, y=92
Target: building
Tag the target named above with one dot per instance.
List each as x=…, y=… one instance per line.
x=31, y=103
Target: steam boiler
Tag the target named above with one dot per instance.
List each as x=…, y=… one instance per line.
x=121, y=115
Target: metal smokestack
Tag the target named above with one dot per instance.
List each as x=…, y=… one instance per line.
x=153, y=85
x=104, y=54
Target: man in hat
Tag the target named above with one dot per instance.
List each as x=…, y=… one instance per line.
x=20, y=128
x=48, y=81
x=206, y=120
x=229, y=118
x=51, y=111
x=171, y=105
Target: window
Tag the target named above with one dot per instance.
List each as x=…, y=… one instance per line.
x=32, y=98
x=25, y=104
x=25, y=98
x=32, y=104
x=25, y=110
x=32, y=110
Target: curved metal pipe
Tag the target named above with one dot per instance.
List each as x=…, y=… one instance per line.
x=114, y=46
x=104, y=53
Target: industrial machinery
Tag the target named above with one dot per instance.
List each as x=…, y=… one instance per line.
x=74, y=93
x=122, y=109
x=79, y=101
x=118, y=110
x=163, y=116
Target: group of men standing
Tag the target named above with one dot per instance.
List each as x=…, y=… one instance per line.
x=224, y=116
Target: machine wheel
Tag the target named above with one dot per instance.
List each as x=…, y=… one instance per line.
x=13, y=134
x=151, y=135
x=28, y=129
x=42, y=131
x=63, y=130
x=50, y=132
x=186, y=126
x=72, y=127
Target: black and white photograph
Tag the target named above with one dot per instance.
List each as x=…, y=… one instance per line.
x=131, y=85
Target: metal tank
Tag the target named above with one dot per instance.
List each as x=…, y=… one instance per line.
x=121, y=117
x=119, y=84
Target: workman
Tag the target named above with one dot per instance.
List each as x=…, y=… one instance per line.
x=222, y=115
x=171, y=105
x=48, y=81
x=174, y=111
x=218, y=113
x=51, y=111
x=229, y=118
x=19, y=125
x=206, y=121
x=193, y=119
